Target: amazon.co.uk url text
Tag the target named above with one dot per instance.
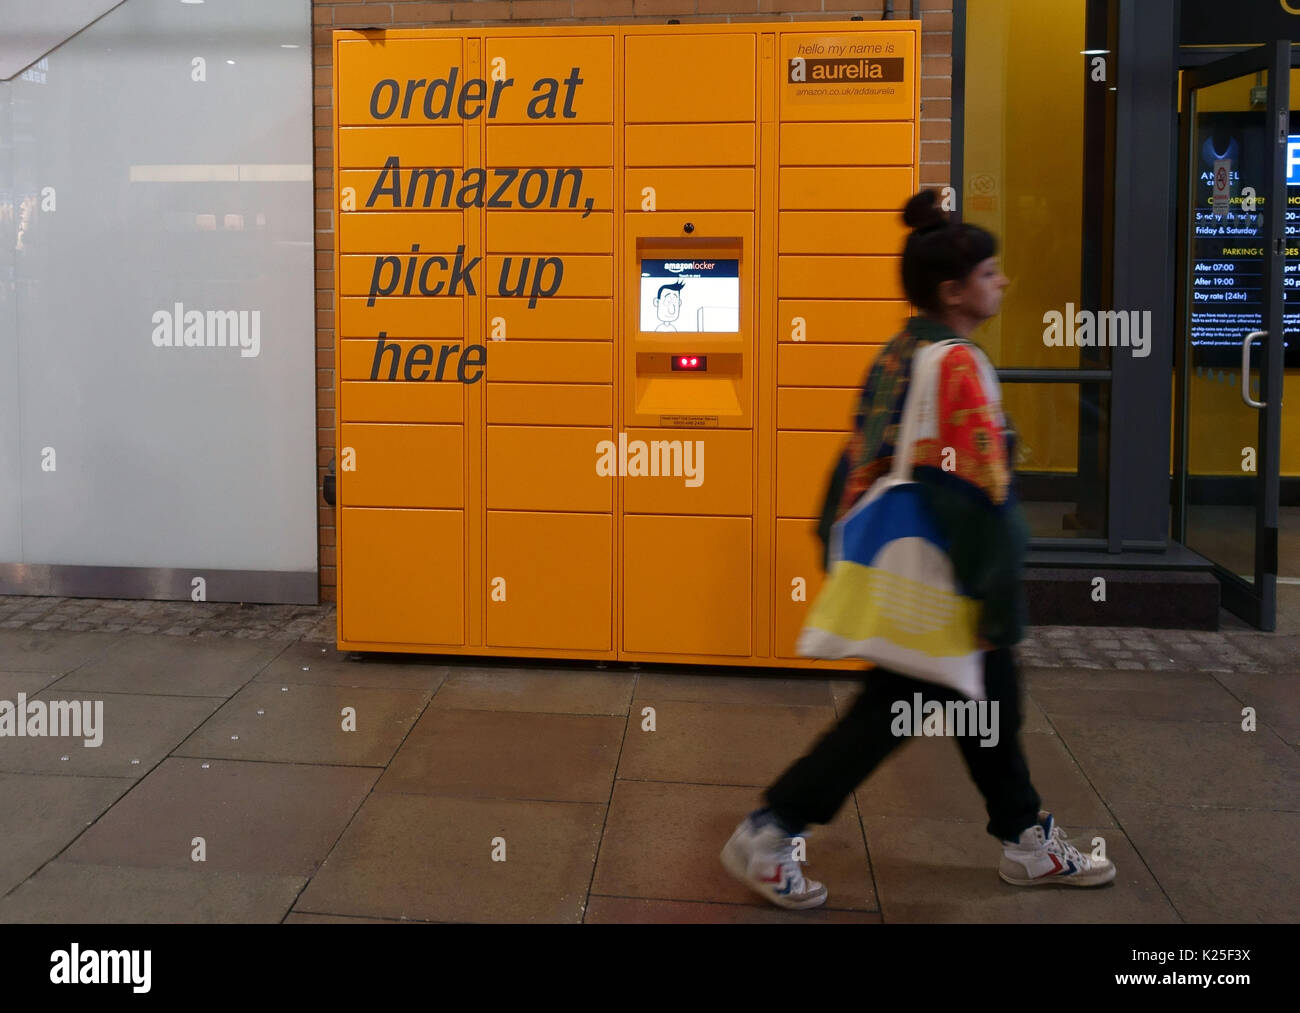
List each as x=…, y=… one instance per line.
x=828, y=92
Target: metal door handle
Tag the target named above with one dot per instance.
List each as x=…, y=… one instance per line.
x=1245, y=369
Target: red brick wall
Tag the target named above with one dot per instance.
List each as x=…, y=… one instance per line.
x=327, y=15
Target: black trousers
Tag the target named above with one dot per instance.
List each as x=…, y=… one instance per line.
x=813, y=788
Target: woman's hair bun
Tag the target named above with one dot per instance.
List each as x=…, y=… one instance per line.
x=923, y=212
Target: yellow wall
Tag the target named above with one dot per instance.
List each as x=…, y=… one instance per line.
x=1024, y=183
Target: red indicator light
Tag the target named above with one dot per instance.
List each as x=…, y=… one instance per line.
x=699, y=363
x=683, y=362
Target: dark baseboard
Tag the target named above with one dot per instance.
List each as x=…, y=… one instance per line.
x=1157, y=599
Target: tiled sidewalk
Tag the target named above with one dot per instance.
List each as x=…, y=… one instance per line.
x=229, y=730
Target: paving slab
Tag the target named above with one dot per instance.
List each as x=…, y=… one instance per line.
x=1220, y=865
x=306, y=724
x=663, y=842
x=553, y=690
x=314, y=663
x=139, y=663
x=503, y=754
x=41, y=814
x=932, y=871
x=74, y=893
x=267, y=819
x=429, y=858
x=1173, y=696
x=723, y=687
x=1183, y=762
x=29, y=683
x=720, y=743
x=1275, y=697
x=136, y=731
x=30, y=650
x=844, y=692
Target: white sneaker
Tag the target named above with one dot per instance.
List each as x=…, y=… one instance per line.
x=761, y=856
x=1043, y=855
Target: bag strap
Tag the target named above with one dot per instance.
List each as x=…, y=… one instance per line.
x=918, y=401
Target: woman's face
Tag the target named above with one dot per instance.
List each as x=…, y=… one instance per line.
x=981, y=296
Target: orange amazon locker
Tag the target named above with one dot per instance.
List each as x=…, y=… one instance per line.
x=604, y=299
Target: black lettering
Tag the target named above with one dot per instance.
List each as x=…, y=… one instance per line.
x=387, y=82
x=436, y=85
x=430, y=177
x=382, y=346
x=410, y=270
x=497, y=88
x=480, y=181
x=424, y=275
x=480, y=361
x=411, y=88
x=510, y=175
x=557, y=265
x=542, y=175
x=380, y=264
x=572, y=82
x=425, y=353
x=442, y=358
x=478, y=87
x=395, y=191
x=504, y=280
x=560, y=176
x=546, y=99
x=460, y=271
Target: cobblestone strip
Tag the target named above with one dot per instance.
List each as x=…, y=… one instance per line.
x=1095, y=647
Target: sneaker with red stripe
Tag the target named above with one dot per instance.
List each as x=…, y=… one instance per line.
x=1044, y=856
x=761, y=855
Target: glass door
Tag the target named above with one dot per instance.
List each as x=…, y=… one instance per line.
x=1234, y=267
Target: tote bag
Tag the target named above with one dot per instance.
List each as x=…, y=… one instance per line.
x=891, y=595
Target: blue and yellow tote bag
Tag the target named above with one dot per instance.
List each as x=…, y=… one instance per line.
x=891, y=595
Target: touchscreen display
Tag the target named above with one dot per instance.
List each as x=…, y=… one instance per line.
x=689, y=296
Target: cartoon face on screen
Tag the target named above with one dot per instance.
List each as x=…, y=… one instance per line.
x=690, y=296
x=668, y=306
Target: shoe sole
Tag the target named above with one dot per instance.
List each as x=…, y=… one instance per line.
x=735, y=866
x=1100, y=879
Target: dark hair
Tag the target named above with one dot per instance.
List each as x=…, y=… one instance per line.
x=670, y=288
x=939, y=250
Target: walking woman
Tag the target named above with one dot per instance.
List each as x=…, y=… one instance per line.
x=951, y=275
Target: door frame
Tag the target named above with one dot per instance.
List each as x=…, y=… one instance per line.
x=1256, y=603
